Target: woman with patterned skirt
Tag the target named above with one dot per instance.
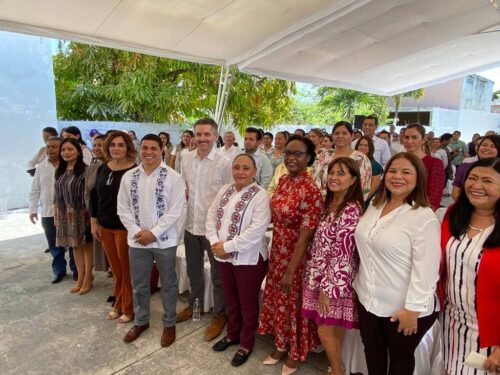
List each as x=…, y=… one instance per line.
x=71, y=216
x=295, y=208
x=470, y=278
x=236, y=224
x=332, y=262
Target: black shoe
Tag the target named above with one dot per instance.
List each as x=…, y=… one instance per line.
x=46, y=251
x=111, y=299
x=75, y=276
x=223, y=344
x=240, y=357
x=57, y=279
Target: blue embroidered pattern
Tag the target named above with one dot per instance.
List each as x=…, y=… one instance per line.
x=160, y=200
x=134, y=195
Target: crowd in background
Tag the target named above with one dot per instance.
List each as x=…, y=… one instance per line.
x=361, y=239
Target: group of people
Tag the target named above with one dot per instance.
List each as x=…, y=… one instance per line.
x=356, y=242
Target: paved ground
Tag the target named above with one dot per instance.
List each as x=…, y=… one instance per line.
x=44, y=329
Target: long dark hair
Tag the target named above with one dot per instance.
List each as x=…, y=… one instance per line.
x=75, y=131
x=461, y=211
x=418, y=197
x=355, y=191
x=79, y=167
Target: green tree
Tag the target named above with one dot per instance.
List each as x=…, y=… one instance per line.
x=348, y=103
x=496, y=95
x=97, y=83
x=415, y=94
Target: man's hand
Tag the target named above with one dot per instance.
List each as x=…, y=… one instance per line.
x=144, y=237
x=34, y=218
x=407, y=321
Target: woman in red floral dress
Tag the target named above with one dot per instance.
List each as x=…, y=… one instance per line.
x=296, y=208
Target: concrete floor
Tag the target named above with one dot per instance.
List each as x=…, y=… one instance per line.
x=44, y=329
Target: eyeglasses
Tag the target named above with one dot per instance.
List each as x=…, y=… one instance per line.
x=295, y=154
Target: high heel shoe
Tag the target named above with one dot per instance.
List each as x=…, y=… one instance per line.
x=87, y=285
x=76, y=288
x=271, y=360
x=286, y=370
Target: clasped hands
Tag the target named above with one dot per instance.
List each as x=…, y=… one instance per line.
x=144, y=237
x=218, y=250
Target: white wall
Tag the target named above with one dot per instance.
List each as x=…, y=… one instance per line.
x=27, y=105
x=140, y=129
x=468, y=122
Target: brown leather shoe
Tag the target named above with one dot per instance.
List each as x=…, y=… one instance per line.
x=184, y=315
x=134, y=333
x=168, y=336
x=215, y=327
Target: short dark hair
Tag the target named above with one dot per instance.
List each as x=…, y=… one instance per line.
x=445, y=137
x=371, y=146
x=269, y=134
x=256, y=131
x=371, y=117
x=347, y=124
x=418, y=197
x=55, y=138
x=207, y=121
x=460, y=213
x=52, y=131
x=153, y=137
x=457, y=131
x=384, y=132
x=131, y=152
x=310, y=147
x=300, y=130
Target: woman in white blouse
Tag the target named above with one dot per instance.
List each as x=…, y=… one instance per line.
x=398, y=241
x=235, y=227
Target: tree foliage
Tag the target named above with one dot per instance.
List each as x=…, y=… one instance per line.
x=348, y=103
x=97, y=83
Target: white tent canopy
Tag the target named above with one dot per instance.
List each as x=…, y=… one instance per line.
x=378, y=46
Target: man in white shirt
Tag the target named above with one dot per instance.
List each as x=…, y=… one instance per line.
x=150, y=204
x=40, y=156
x=382, y=152
x=42, y=194
x=264, y=168
x=229, y=150
x=205, y=171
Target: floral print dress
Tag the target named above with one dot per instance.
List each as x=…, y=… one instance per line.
x=332, y=264
x=296, y=204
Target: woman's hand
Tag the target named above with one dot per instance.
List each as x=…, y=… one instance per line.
x=286, y=281
x=324, y=304
x=492, y=363
x=407, y=321
x=218, y=250
x=95, y=228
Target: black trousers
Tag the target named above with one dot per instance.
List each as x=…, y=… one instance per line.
x=385, y=348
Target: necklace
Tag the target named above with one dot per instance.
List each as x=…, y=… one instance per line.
x=474, y=228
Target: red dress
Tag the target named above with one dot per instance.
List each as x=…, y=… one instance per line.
x=296, y=204
x=435, y=180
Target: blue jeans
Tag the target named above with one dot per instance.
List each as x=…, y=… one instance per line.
x=58, y=260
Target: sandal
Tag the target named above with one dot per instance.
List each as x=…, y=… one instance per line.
x=124, y=319
x=113, y=314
